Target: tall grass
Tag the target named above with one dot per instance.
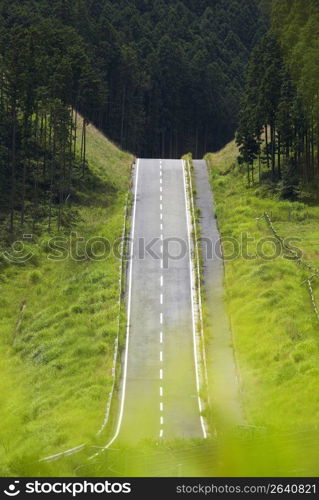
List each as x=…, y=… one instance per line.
x=274, y=325
x=58, y=323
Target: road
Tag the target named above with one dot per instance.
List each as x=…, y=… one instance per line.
x=160, y=381
x=222, y=371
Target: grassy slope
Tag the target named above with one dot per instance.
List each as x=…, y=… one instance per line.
x=275, y=328
x=58, y=323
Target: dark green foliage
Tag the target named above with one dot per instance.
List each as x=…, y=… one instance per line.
x=45, y=74
x=159, y=77
x=172, y=71
x=279, y=116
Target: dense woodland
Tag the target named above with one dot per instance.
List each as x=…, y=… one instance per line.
x=159, y=77
x=279, y=121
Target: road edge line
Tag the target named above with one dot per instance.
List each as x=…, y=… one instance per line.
x=117, y=340
x=198, y=270
x=128, y=328
x=79, y=448
x=193, y=292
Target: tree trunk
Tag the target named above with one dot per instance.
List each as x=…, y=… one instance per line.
x=13, y=164
x=52, y=175
x=123, y=115
x=84, y=148
x=267, y=147
x=273, y=158
x=279, y=155
x=259, y=168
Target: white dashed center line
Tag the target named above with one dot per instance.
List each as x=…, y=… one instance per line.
x=161, y=372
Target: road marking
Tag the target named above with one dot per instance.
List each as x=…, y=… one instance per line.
x=161, y=297
x=192, y=286
x=64, y=453
x=118, y=428
x=199, y=294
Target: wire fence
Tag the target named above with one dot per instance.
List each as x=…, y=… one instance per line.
x=299, y=261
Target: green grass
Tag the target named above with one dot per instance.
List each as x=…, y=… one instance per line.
x=245, y=452
x=274, y=326
x=58, y=325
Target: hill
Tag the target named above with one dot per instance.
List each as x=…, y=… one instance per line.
x=273, y=317
x=59, y=321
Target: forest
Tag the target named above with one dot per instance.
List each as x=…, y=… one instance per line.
x=159, y=78
x=279, y=120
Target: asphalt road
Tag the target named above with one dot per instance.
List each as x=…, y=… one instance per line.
x=159, y=385
x=222, y=372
